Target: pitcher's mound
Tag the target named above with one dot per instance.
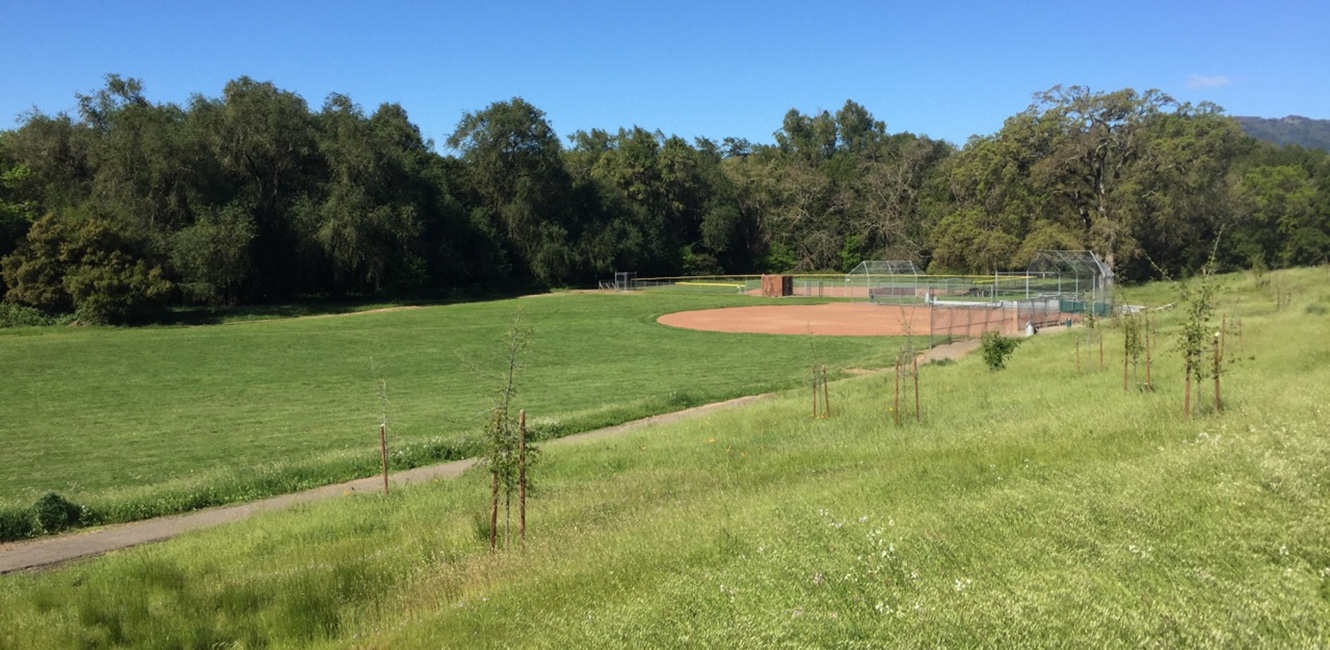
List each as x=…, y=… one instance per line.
x=835, y=319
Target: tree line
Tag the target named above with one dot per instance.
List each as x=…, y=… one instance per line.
x=131, y=206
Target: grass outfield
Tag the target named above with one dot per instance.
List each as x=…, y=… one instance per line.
x=1034, y=507
x=141, y=422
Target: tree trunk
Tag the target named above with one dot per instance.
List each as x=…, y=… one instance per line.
x=826, y=396
x=916, y=389
x=383, y=450
x=1186, y=400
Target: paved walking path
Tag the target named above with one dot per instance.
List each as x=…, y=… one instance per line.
x=48, y=551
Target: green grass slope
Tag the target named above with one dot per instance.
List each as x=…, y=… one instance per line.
x=139, y=422
x=1034, y=507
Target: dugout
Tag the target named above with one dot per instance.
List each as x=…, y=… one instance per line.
x=777, y=286
x=890, y=281
x=1079, y=280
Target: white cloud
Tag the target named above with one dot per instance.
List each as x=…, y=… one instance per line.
x=1201, y=81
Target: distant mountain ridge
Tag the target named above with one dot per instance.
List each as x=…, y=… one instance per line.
x=1294, y=129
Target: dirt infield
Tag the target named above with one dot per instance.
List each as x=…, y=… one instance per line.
x=835, y=319
x=855, y=319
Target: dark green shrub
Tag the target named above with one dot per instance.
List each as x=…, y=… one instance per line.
x=96, y=268
x=996, y=348
x=55, y=513
x=12, y=315
x=15, y=524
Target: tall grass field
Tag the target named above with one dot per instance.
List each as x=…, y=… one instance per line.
x=1033, y=507
x=133, y=423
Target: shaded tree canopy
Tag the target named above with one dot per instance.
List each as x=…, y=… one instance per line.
x=252, y=196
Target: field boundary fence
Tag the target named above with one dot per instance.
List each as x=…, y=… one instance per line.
x=806, y=285
x=949, y=322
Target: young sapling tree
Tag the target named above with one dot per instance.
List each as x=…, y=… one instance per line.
x=1093, y=326
x=1197, y=300
x=1135, y=337
x=906, y=363
x=819, y=381
x=382, y=386
x=506, y=452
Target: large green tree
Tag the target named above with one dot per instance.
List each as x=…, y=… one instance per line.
x=265, y=144
x=1137, y=177
x=92, y=266
x=364, y=217
x=1286, y=221
x=18, y=206
x=513, y=159
x=1092, y=166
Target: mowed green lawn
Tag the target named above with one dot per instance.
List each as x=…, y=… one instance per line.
x=1034, y=507
x=137, y=422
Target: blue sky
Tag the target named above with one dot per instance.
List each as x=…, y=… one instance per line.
x=713, y=69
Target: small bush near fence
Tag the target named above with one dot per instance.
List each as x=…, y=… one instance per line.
x=996, y=348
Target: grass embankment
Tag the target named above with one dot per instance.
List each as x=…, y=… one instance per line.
x=133, y=423
x=1034, y=507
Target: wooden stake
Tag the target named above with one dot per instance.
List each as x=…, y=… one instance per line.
x=826, y=397
x=1223, y=332
x=383, y=452
x=916, y=389
x=1124, y=367
x=1218, y=405
x=1147, y=362
x=896, y=407
x=521, y=476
